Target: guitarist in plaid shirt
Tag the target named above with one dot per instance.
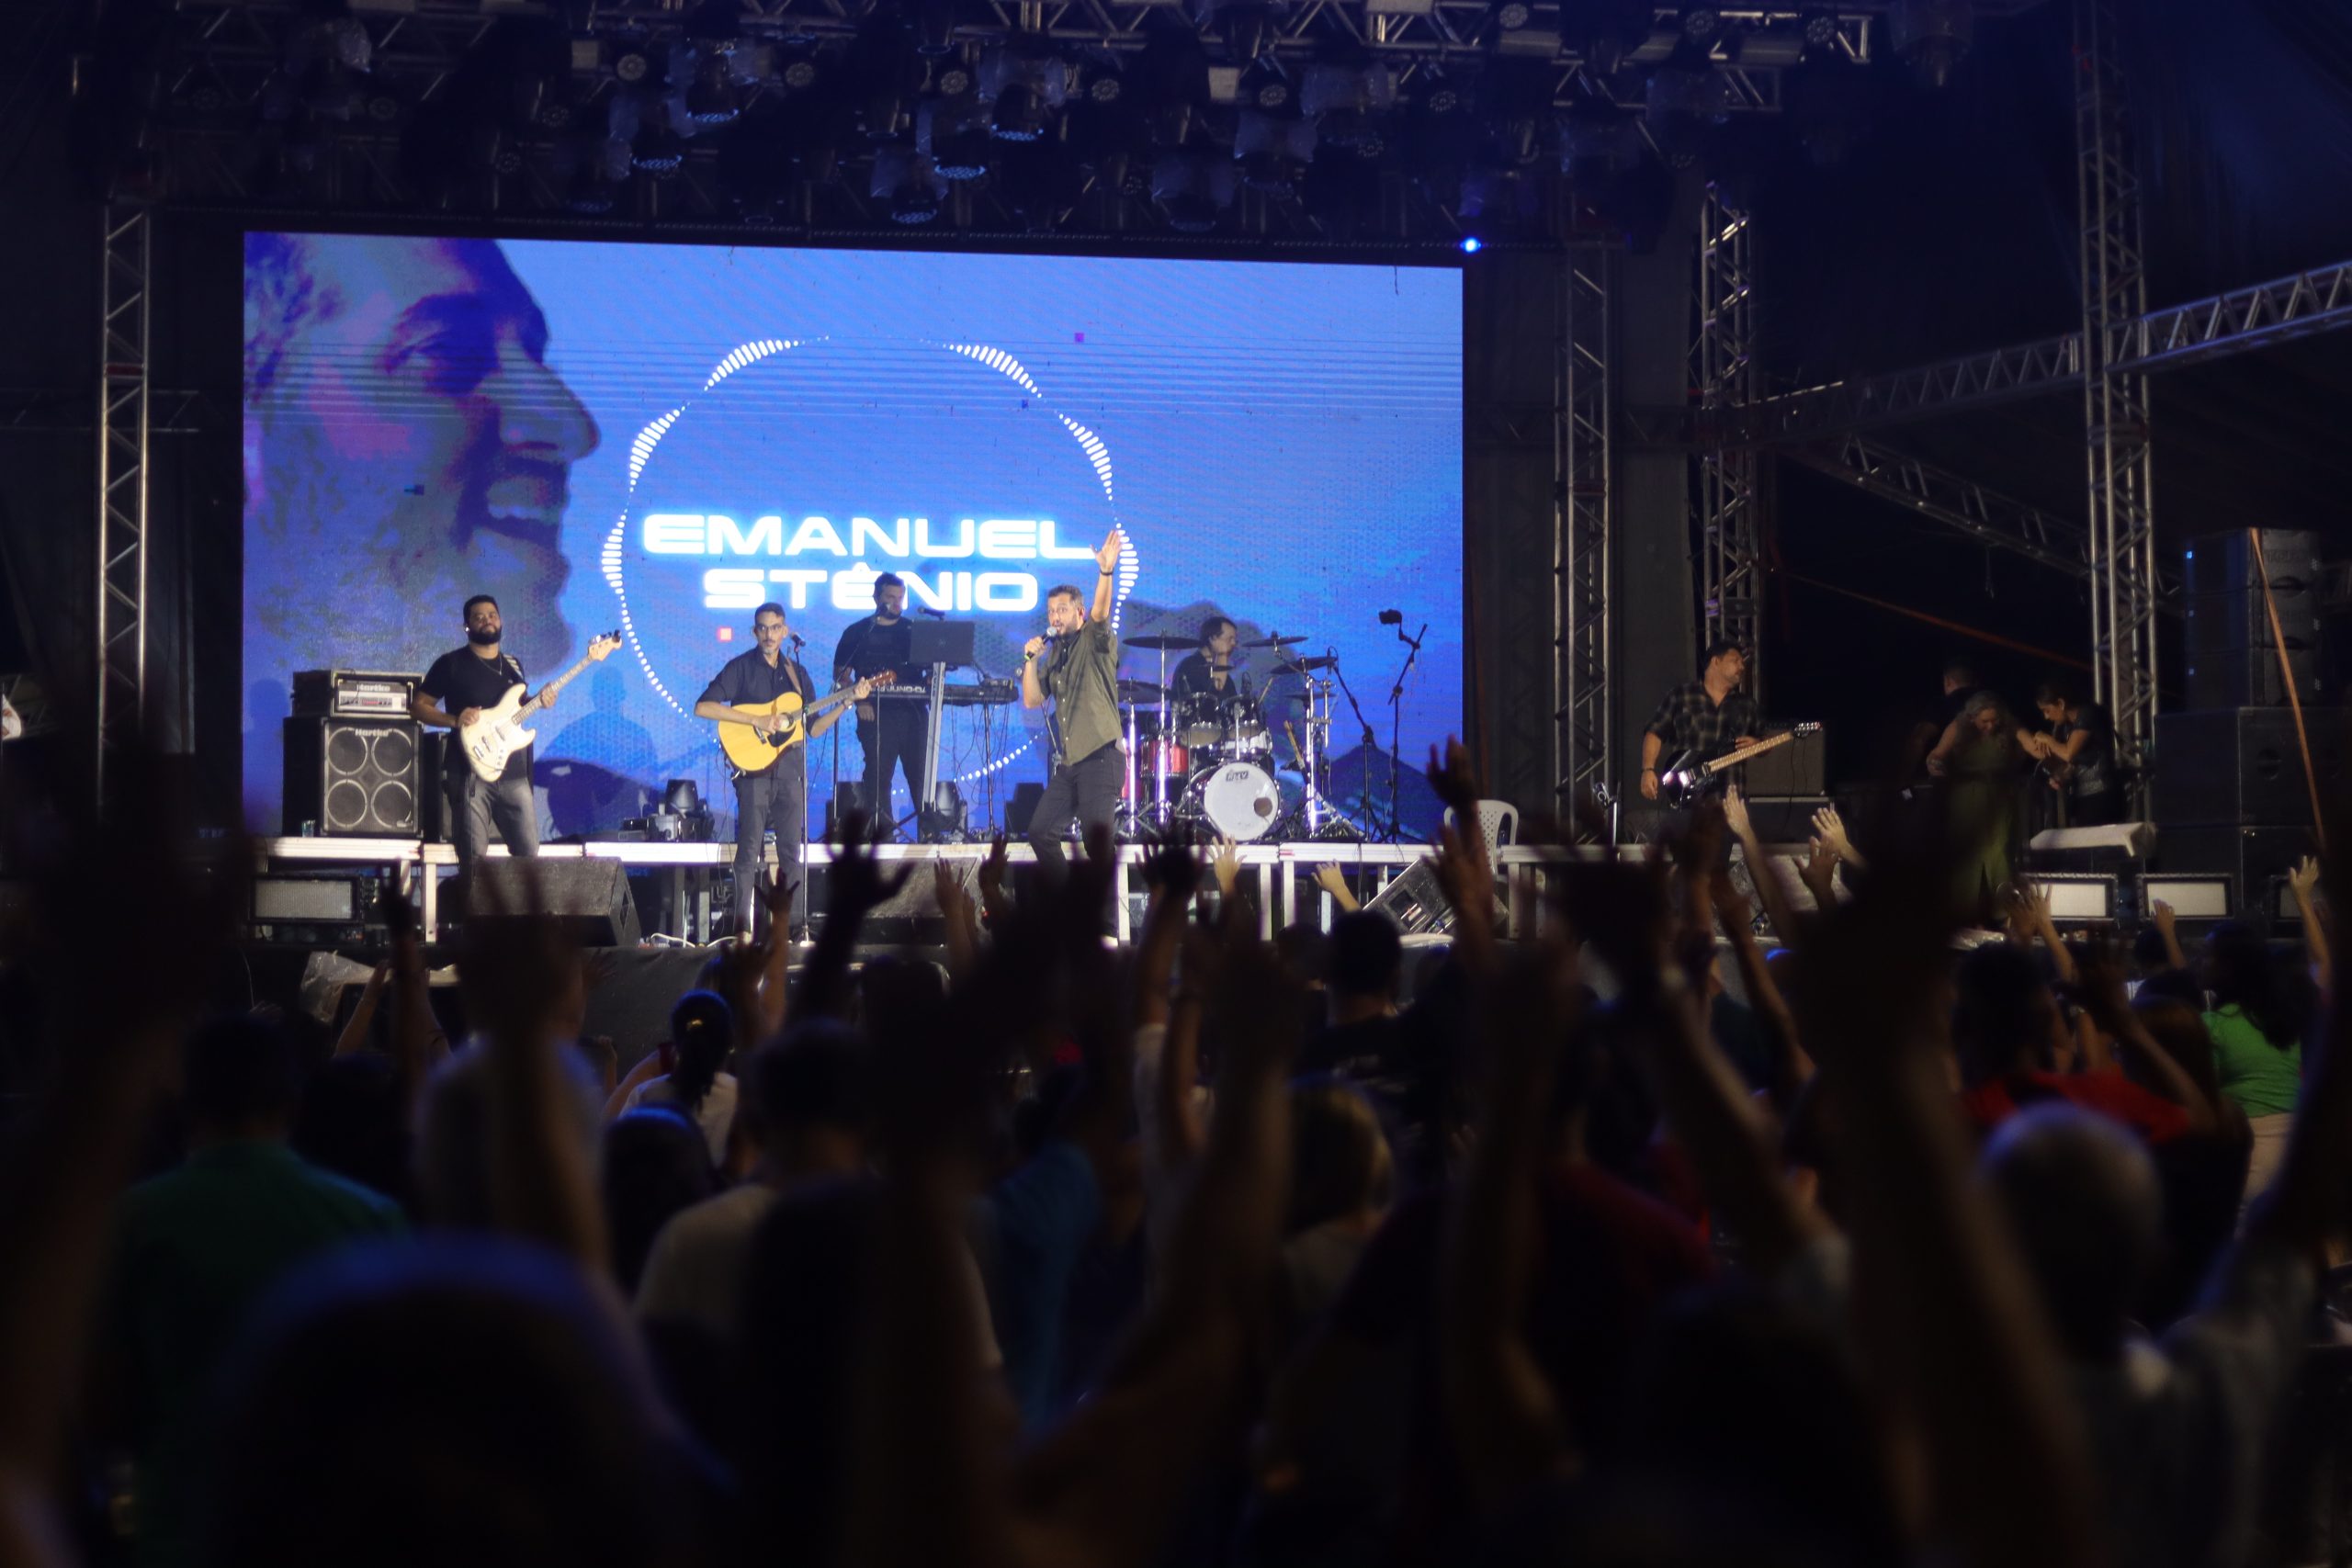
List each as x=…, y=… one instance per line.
x=1706, y=717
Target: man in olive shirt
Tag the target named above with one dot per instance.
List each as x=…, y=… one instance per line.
x=1077, y=664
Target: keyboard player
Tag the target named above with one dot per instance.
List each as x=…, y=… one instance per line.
x=891, y=724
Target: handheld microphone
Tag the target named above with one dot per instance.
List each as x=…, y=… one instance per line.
x=1391, y=617
x=935, y=614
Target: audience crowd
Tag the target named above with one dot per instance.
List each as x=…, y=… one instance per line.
x=1704, y=1223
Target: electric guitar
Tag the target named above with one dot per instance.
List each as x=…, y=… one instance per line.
x=496, y=732
x=1687, y=779
x=752, y=748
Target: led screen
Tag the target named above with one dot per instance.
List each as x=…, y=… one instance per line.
x=657, y=438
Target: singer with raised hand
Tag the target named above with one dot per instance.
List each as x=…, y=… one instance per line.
x=1075, y=663
x=890, y=729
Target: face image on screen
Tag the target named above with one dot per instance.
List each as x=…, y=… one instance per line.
x=658, y=439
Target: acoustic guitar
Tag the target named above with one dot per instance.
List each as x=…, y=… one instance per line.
x=497, y=732
x=754, y=748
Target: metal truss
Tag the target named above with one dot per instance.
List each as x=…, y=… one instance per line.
x=122, y=432
x=2115, y=395
x=2303, y=304
x=1723, y=361
x=1985, y=515
x=1584, y=550
x=2285, y=309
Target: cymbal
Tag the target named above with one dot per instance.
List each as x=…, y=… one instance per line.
x=1319, y=662
x=1169, y=641
x=1141, y=692
x=1273, y=641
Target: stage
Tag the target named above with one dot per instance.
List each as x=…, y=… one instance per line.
x=1276, y=873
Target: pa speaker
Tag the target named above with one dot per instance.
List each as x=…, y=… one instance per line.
x=2233, y=655
x=589, y=897
x=352, y=777
x=2228, y=766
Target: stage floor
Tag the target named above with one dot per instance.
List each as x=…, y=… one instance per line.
x=1278, y=870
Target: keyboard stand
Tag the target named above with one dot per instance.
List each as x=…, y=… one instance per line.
x=925, y=803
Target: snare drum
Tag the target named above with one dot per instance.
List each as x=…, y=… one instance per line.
x=1198, y=720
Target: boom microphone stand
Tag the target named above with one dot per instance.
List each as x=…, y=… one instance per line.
x=1363, y=791
x=1396, y=714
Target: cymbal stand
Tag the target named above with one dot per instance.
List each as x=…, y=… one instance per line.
x=1160, y=747
x=1371, y=745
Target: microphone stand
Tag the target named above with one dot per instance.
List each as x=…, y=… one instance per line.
x=1396, y=723
x=1363, y=782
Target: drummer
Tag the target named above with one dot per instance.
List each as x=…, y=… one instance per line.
x=1209, y=671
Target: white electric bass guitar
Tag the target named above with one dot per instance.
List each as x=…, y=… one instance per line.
x=496, y=732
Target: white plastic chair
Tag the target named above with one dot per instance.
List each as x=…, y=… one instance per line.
x=1497, y=820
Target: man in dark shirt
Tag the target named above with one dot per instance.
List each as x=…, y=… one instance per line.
x=891, y=731
x=1705, y=717
x=2077, y=755
x=461, y=682
x=776, y=797
x=1081, y=659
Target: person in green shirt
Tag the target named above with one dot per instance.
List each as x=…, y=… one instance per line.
x=2256, y=1023
x=197, y=1247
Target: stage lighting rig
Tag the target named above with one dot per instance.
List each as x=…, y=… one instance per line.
x=1932, y=36
x=908, y=182
x=1024, y=83
x=954, y=134
x=1686, y=98
x=1274, y=153
x=1192, y=189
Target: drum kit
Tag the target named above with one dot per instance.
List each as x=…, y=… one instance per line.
x=1209, y=758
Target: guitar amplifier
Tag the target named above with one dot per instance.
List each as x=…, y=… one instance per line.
x=353, y=693
x=1794, y=769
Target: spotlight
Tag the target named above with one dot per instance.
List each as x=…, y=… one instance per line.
x=933, y=23
x=1472, y=244
x=949, y=132
x=710, y=97
x=1192, y=189
x=800, y=74
x=1932, y=36
x=908, y=183
x=1702, y=24
x=1263, y=85
x=1821, y=30
x=1020, y=114
x=632, y=64
x=1104, y=89
x=1513, y=15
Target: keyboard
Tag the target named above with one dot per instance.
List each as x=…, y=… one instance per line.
x=988, y=693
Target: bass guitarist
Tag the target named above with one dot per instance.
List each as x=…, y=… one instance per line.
x=1703, y=718
x=775, y=797
x=461, y=683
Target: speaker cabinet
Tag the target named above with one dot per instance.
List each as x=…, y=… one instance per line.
x=2233, y=655
x=589, y=897
x=2256, y=860
x=2230, y=766
x=352, y=777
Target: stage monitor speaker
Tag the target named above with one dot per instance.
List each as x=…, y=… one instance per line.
x=1794, y=769
x=352, y=777
x=2256, y=858
x=2232, y=766
x=590, y=897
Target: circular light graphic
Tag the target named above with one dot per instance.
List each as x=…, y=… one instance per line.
x=803, y=468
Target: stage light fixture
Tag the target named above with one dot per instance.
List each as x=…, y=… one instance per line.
x=1192, y=189
x=1932, y=36
x=1702, y=24
x=1105, y=88
x=1262, y=85
x=1334, y=86
x=1024, y=83
x=1274, y=153
x=1512, y=15
x=933, y=25
x=799, y=74
x=1169, y=79
x=1820, y=30
x=1685, y=99
x=950, y=133
x=908, y=183
x=710, y=97
x=632, y=64
x=1472, y=244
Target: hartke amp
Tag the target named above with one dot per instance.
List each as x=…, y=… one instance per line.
x=351, y=778
x=353, y=693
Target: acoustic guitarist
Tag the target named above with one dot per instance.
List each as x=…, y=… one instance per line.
x=744, y=693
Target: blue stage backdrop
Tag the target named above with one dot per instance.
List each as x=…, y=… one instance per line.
x=658, y=437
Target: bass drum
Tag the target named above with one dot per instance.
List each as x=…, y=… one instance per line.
x=1240, y=801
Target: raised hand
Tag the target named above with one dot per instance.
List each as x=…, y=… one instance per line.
x=1832, y=829
x=2167, y=923
x=1735, y=816
x=1455, y=782
x=859, y=883
x=2304, y=877
x=1173, y=868
x=1227, y=866
x=1107, y=558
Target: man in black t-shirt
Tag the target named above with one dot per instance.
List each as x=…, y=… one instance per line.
x=891, y=731
x=777, y=795
x=461, y=682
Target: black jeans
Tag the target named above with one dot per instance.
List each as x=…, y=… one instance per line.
x=1085, y=792
x=475, y=808
x=893, y=742
x=774, y=798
